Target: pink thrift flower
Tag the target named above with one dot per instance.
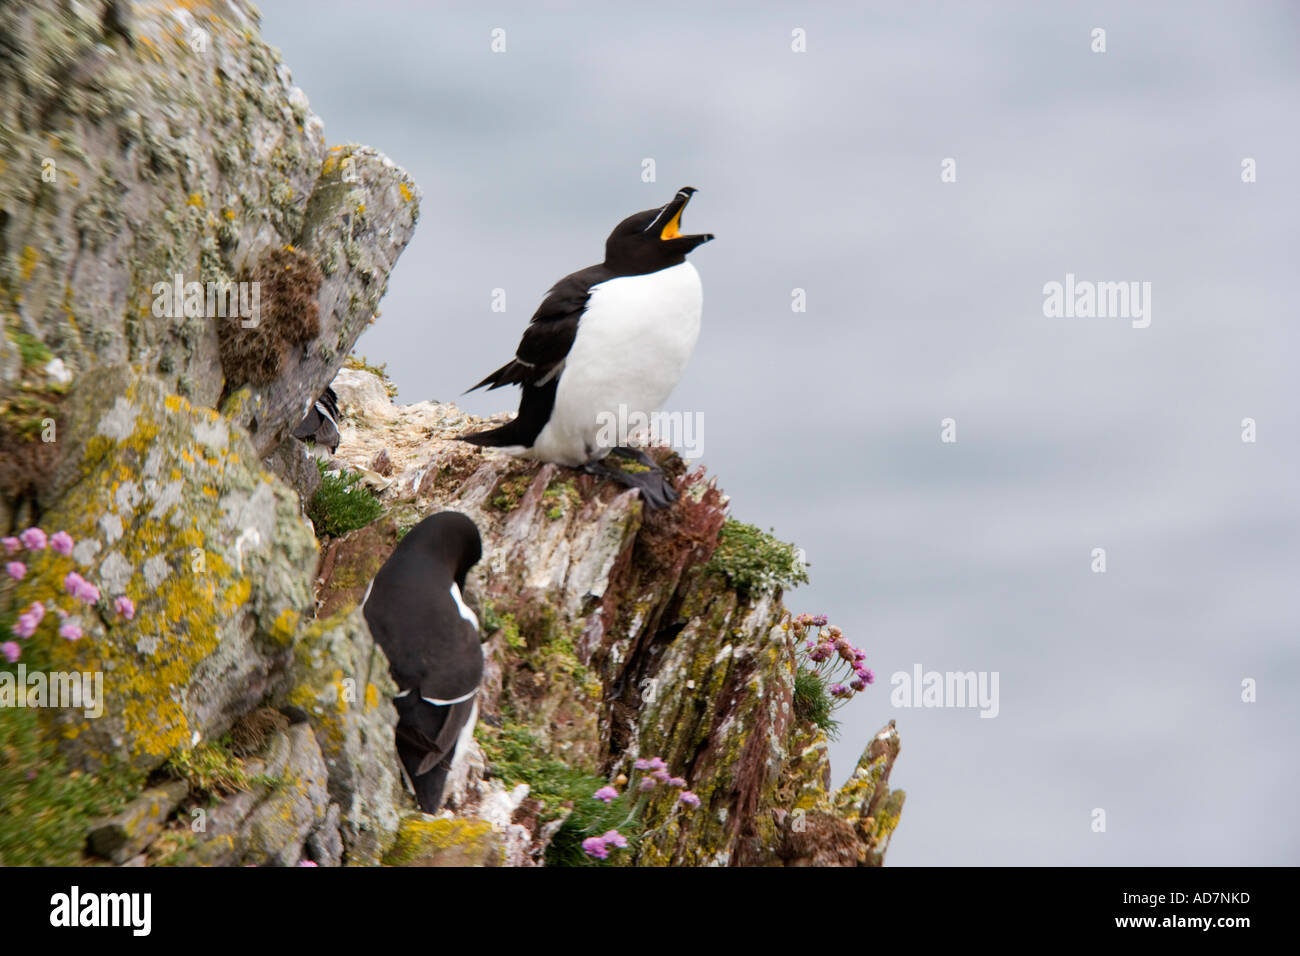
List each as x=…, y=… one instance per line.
x=11, y=651
x=80, y=588
x=642, y=764
x=37, y=610
x=17, y=570
x=595, y=847
x=33, y=539
x=71, y=631
x=661, y=775
x=11, y=544
x=25, y=626
x=676, y=782
x=306, y=863
x=647, y=784
x=605, y=793
x=61, y=542
x=615, y=839
x=125, y=607
x=690, y=799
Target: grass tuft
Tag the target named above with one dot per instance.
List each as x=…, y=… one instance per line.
x=812, y=701
x=341, y=504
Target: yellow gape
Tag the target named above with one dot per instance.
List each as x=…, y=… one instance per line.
x=674, y=227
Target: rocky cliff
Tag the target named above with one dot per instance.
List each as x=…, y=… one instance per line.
x=153, y=156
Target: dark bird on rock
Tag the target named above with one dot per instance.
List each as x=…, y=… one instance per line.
x=417, y=613
x=608, y=343
x=322, y=423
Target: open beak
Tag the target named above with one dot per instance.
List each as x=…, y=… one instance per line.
x=669, y=220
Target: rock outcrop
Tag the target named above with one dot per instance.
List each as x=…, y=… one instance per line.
x=246, y=715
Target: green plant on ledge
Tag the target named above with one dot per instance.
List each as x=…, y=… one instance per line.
x=341, y=503
x=754, y=561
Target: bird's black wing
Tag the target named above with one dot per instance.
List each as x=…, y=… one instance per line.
x=549, y=336
x=321, y=423
x=427, y=733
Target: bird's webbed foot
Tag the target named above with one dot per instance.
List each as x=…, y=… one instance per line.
x=635, y=469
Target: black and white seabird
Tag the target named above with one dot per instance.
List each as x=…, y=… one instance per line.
x=417, y=614
x=615, y=334
x=321, y=424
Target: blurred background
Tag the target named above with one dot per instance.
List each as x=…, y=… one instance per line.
x=820, y=171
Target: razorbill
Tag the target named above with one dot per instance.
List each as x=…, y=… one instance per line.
x=615, y=334
x=417, y=614
x=321, y=423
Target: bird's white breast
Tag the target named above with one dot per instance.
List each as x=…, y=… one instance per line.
x=632, y=346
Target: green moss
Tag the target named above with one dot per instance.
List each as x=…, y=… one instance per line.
x=754, y=561
x=514, y=640
x=492, y=621
x=560, y=497
x=33, y=350
x=516, y=756
x=46, y=809
x=342, y=504
x=510, y=491
x=212, y=770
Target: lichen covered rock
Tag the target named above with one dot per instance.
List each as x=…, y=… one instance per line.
x=611, y=636
x=246, y=711
x=175, y=144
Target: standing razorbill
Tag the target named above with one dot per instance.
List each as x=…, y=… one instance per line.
x=615, y=334
x=417, y=614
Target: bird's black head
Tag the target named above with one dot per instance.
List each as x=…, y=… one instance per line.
x=452, y=538
x=652, y=240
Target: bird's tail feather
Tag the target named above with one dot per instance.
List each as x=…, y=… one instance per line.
x=509, y=374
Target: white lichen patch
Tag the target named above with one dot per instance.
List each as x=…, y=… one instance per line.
x=111, y=525
x=156, y=571
x=119, y=422
x=127, y=496
x=213, y=435
x=166, y=498
x=115, y=573
x=85, y=551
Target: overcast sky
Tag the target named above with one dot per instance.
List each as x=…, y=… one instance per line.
x=821, y=171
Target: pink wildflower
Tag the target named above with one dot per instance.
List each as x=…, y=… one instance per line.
x=61, y=542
